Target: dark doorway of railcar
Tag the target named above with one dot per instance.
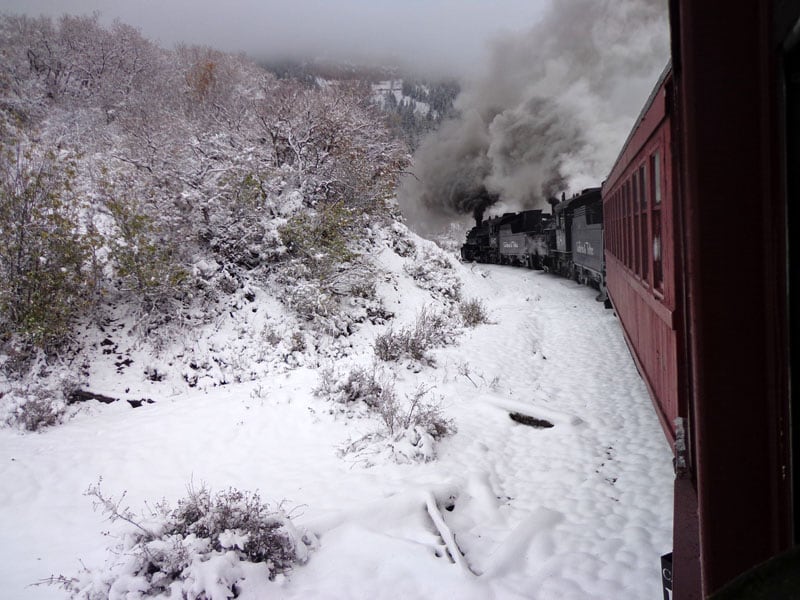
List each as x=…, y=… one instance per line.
x=792, y=90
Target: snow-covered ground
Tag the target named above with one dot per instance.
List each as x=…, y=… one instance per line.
x=579, y=510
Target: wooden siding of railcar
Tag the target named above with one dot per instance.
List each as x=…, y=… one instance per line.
x=650, y=321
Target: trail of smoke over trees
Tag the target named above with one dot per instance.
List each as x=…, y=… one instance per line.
x=549, y=114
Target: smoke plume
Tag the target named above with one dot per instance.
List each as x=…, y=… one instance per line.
x=549, y=114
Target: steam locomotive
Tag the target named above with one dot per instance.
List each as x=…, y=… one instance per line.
x=568, y=242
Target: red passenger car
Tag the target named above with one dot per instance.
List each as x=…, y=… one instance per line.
x=702, y=213
x=641, y=275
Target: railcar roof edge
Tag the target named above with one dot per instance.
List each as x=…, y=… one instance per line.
x=661, y=78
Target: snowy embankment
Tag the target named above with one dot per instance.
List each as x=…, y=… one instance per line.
x=579, y=510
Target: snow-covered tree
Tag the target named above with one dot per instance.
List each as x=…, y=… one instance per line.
x=47, y=272
x=186, y=155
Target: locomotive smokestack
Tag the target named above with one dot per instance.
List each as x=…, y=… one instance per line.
x=478, y=214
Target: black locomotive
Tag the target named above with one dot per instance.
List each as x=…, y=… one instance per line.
x=568, y=242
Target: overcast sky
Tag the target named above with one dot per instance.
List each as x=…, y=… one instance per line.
x=435, y=34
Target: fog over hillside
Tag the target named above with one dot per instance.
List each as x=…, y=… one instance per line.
x=440, y=36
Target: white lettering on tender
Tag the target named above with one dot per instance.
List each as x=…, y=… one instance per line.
x=585, y=248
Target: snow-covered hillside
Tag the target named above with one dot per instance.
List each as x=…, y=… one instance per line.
x=578, y=510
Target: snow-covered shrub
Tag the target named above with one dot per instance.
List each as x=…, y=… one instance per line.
x=19, y=359
x=400, y=241
x=362, y=384
x=390, y=346
x=155, y=372
x=271, y=335
x=410, y=428
x=321, y=235
x=330, y=297
x=145, y=254
x=398, y=417
x=431, y=329
x=433, y=270
x=419, y=431
x=308, y=299
x=209, y=547
x=36, y=409
x=239, y=222
x=247, y=244
x=298, y=342
x=34, y=406
x=328, y=384
x=367, y=385
x=325, y=280
x=473, y=312
x=46, y=270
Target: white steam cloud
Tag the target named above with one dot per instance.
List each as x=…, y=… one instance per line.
x=549, y=114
